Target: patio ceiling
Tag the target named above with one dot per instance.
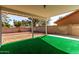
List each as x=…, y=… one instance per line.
x=41, y=10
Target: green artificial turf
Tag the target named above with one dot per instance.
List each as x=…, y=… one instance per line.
x=63, y=44
x=41, y=45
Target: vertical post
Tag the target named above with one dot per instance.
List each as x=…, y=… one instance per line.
x=0, y=32
x=32, y=28
x=0, y=28
x=45, y=27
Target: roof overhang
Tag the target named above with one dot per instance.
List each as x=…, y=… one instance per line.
x=38, y=11
x=19, y=13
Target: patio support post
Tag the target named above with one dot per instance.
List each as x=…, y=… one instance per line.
x=0, y=29
x=32, y=28
x=45, y=27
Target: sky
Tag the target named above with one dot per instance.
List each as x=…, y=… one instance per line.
x=51, y=20
x=14, y=17
x=55, y=18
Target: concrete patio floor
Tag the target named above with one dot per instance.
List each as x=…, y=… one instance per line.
x=11, y=37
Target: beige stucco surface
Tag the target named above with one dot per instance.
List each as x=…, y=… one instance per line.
x=50, y=10
x=65, y=30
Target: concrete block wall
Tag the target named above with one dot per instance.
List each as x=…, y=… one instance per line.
x=13, y=30
x=65, y=29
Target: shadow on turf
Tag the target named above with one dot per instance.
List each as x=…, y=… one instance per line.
x=30, y=46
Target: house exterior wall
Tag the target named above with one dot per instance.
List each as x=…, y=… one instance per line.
x=69, y=24
x=69, y=19
x=75, y=29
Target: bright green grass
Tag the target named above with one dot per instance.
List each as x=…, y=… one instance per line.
x=63, y=44
x=42, y=45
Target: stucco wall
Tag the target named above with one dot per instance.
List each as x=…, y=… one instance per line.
x=62, y=29
x=50, y=29
x=75, y=30
x=39, y=29
x=67, y=29
x=12, y=30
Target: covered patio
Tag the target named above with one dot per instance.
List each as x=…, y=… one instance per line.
x=41, y=12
